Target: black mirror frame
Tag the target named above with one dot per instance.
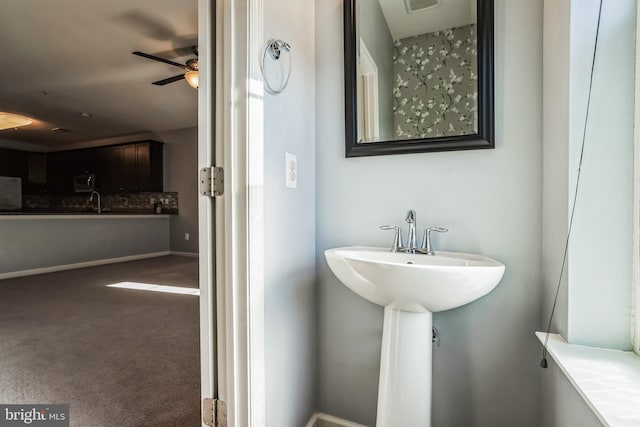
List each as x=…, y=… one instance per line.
x=486, y=128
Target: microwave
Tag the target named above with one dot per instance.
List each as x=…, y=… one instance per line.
x=84, y=183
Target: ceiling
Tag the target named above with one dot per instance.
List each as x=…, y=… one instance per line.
x=66, y=57
x=448, y=14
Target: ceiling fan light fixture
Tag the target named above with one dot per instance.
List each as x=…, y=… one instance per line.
x=13, y=121
x=192, y=77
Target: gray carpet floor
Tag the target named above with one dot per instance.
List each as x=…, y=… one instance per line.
x=119, y=357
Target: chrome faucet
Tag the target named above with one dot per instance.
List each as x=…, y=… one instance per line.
x=411, y=220
x=425, y=248
x=99, y=201
x=397, y=237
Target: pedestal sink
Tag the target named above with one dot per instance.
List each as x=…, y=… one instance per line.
x=411, y=287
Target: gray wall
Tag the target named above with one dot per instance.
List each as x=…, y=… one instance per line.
x=555, y=209
x=181, y=175
x=289, y=223
x=486, y=369
x=562, y=406
x=374, y=31
x=37, y=243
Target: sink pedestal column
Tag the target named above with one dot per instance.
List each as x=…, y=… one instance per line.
x=404, y=392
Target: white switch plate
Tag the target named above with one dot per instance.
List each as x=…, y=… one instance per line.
x=186, y=236
x=291, y=170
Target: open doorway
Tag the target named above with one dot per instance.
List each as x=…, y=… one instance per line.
x=99, y=263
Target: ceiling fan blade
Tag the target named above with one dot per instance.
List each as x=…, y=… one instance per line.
x=177, y=52
x=169, y=80
x=157, y=58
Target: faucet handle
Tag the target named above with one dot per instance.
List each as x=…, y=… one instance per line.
x=397, y=237
x=438, y=229
x=426, y=239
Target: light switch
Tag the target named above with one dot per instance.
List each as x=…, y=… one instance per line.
x=291, y=170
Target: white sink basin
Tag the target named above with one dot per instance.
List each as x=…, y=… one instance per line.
x=414, y=282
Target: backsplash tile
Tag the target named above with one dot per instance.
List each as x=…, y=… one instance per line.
x=126, y=203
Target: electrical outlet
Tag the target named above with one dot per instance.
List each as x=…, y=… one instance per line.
x=186, y=236
x=291, y=170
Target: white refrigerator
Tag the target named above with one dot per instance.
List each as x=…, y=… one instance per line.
x=10, y=193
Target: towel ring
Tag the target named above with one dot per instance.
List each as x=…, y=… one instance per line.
x=275, y=49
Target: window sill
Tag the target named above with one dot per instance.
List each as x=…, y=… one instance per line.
x=608, y=380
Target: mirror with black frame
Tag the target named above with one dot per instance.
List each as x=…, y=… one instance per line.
x=418, y=76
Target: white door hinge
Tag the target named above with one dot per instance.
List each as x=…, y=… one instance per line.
x=214, y=412
x=212, y=181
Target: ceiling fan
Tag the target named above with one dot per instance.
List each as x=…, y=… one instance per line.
x=191, y=68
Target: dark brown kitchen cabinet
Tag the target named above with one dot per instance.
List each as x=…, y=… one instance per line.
x=123, y=168
x=109, y=169
x=149, y=167
x=61, y=167
x=129, y=180
x=130, y=168
x=14, y=163
x=36, y=174
x=30, y=167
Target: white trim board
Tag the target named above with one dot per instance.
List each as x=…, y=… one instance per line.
x=239, y=133
x=607, y=380
x=212, y=325
x=85, y=264
x=185, y=254
x=635, y=293
x=335, y=421
x=368, y=108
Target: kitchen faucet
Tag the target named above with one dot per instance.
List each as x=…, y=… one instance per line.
x=425, y=248
x=99, y=201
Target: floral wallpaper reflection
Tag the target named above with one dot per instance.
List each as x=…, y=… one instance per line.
x=435, y=85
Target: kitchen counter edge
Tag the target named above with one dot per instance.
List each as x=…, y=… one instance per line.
x=79, y=216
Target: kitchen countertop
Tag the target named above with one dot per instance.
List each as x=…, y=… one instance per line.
x=77, y=215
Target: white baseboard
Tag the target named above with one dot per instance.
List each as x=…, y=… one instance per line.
x=330, y=421
x=187, y=254
x=53, y=269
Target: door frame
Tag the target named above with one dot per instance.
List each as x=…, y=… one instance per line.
x=368, y=104
x=231, y=253
x=210, y=326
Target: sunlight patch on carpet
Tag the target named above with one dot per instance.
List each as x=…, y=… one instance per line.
x=156, y=288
